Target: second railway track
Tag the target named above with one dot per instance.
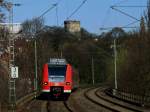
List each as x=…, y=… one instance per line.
x=91, y=94
x=83, y=100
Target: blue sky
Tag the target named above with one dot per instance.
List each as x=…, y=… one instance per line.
x=93, y=14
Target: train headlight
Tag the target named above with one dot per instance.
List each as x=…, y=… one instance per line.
x=45, y=83
x=68, y=83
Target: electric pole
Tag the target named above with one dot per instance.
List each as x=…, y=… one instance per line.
x=35, y=45
x=12, y=89
x=35, y=80
x=115, y=64
x=13, y=71
x=93, y=75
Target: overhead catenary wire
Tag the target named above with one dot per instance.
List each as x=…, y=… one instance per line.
x=57, y=21
x=107, y=13
x=131, y=23
x=76, y=10
x=124, y=27
x=131, y=6
x=128, y=6
x=49, y=9
x=116, y=6
x=124, y=13
x=127, y=26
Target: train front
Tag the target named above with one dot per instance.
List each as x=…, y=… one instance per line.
x=57, y=78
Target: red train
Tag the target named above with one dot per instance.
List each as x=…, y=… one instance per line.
x=57, y=78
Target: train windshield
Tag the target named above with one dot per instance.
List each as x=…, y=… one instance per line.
x=57, y=73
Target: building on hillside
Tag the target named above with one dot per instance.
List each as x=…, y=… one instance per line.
x=16, y=27
x=72, y=26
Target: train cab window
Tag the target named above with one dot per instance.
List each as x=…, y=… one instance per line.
x=57, y=73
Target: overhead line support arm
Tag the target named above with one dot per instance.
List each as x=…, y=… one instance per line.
x=124, y=13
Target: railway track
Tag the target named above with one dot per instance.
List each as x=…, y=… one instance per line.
x=33, y=106
x=79, y=103
x=67, y=107
x=58, y=106
x=100, y=93
x=83, y=100
x=92, y=95
x=45, y=106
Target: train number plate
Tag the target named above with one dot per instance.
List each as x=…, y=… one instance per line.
x=57, y=89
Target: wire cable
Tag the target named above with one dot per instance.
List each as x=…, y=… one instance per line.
x=124, y=27
x=131, y=23
x=124, y=13
x=49, y=9
x=76, y=10
x=53, y=6
x=57, y=21
x=131, y=6
x=114, y=7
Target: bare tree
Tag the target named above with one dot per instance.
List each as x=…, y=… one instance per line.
x=32, y=27
x=4, y=5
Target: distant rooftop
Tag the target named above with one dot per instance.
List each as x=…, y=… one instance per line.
x=72, y=20
x=16, y=27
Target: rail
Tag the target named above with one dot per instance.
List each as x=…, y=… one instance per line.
x=98, y=103
x=67, y=107
x=141, y=100
x=20, y=102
